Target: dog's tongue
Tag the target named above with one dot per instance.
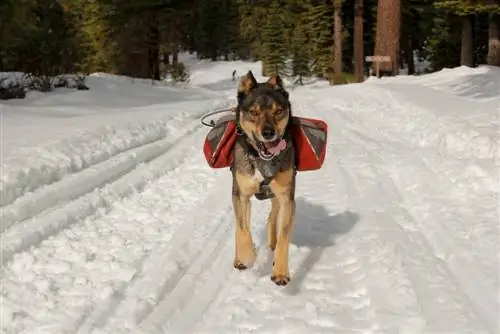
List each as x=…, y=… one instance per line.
x=276, y=147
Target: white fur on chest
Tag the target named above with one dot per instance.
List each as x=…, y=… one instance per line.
x=257, y=176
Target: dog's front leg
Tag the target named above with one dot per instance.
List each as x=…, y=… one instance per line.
x=283, y=186
x=286, y=216
x=245, y=253
x=272, y=222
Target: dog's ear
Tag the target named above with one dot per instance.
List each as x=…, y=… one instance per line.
x=275, y=82
x=247, y=83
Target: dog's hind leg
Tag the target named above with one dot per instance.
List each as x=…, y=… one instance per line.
x=271, y=223
x=245, y=253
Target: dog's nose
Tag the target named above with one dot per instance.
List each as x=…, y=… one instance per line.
x=268, y=133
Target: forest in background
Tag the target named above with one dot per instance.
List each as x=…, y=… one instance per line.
x=327, y=39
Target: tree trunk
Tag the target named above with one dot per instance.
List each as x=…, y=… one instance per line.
x=409, y=55
x=175, y=41
x=467, y=45
x=387, y=34
x=337, y=21
x=494, y=40
x=154, y=48
x=358, y=41
x=175, y=54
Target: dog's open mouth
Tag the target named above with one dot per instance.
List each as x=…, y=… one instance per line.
x=267, y=150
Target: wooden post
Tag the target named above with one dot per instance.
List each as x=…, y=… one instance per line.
x=377, y=60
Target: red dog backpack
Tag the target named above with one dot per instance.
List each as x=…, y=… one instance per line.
x=309, y=138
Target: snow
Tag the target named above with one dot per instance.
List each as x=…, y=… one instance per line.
x=112, y=222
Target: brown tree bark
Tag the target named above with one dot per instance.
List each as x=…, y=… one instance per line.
x=409, y=55
x=467, y=45
x=494, y=40
x=358, y=41
x=337, y=21
x=387, y=34
x=153, y=48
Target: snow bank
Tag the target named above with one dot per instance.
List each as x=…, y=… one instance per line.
x=49, y=135
x=481, y=83
x=467, y=126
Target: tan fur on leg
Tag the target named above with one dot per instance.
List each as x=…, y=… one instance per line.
x=245, y=253
x=271, y=223
x=283, y=187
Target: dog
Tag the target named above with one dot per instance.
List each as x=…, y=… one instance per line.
x=264, y=167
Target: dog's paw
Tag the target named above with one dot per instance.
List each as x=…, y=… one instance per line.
x=239, y=265
x=280, y=280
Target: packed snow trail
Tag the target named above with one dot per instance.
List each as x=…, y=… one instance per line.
x=396, y=233
x=384, y=243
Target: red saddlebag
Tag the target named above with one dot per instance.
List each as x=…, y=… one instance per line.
x=309, y=138
x=218, y=145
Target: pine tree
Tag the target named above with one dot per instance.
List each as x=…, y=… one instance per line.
x=300, y=55
x=468, y=10
x=320, y=27
x=273, y=39
x=251, y=16
x=208, y=29
x=297, y=39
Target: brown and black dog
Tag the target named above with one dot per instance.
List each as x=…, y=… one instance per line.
x=264, y=166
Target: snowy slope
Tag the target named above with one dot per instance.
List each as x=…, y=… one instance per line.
x=113, y=223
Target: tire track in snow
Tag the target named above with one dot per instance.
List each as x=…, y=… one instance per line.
x=418, y=254
x=37, y=177
x=463, y=271
x=167, y=266
x=199, y=283
x=31, y=232
x=196, y=267
x=191, y=171
x=206, y=286
x=89, y=179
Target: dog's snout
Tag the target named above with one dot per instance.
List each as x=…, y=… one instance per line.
x=268, y=132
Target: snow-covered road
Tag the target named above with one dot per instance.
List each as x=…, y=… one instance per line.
x=114, y=223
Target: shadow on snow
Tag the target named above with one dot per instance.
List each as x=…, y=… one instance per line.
x=315, y=228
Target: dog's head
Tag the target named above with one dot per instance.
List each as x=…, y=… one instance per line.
x=264, y=113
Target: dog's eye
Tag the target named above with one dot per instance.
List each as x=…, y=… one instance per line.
x=278, y=112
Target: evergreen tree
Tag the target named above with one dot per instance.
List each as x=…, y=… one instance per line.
x=290, y=37
x=273, y=40
x=299, y=51
x=467, y=11
x=320, y=27
x=208, y=29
